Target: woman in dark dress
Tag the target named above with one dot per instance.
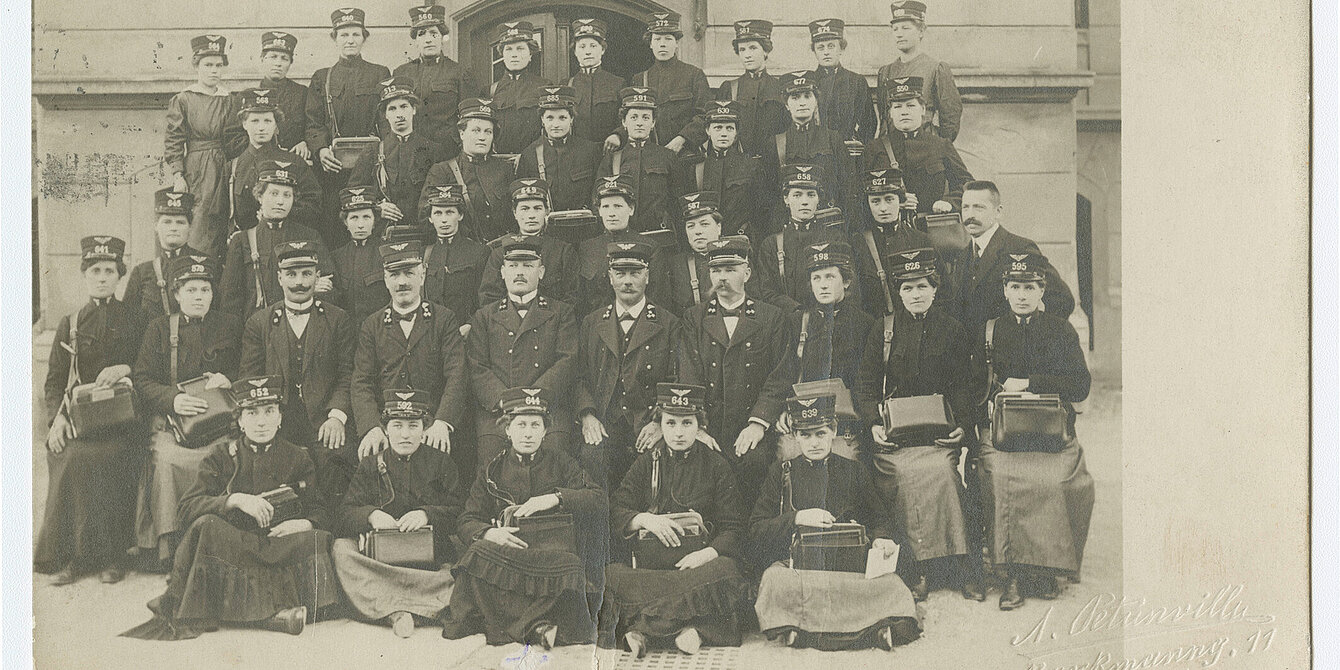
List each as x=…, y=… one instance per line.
x=506, y=589
x=245, y=560
x=697, y=600
x=926, y=352
x=826, y=609
x=90, y=506
x=404, y=489
x=209, y=343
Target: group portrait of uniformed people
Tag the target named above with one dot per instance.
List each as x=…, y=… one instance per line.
x=638, y=362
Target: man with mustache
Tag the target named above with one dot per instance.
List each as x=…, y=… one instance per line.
x=530, y=208
x=309, y=344
x=148, y=289
x=411, y=343
x=524, y=339
x=736, y=341
x=980, y=295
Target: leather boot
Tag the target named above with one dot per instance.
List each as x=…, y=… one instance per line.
x=637, y=643
x=689, y=641
x=289, y=621
x=65, y=577
x=544, y=635
x=1011, y=599
x=920, y=587
x=111, y=575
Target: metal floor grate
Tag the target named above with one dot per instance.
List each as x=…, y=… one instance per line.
x=707, y=658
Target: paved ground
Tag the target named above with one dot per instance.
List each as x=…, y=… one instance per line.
x=78, y=624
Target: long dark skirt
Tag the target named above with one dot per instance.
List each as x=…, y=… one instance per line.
x=223, y=574
x=1038, y=507
x=660, y=603
x=169, y=472
x=505, y=592
x=835, y=610
x=90, y=507
x=928, y=501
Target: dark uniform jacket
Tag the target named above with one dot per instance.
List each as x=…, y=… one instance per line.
x=399, y=172
x=682, y=95
x=109, y=334
x=597, y=104
x=696, y=479
x=454, y=271
x=744, y=195
x=932, y=168
x=440, y=83
x=834, y=342
x=235, y=467
x=353, y=88
x=360, y=284
x=323, y=356
x=240, y=273
x=432, y=359
x=593, y=286
x=1045, y=351
x=617, y=375
x=513, y=479
x=815, y=145
x=212, y=346
x=569, y=167
x=506, y=351
x=560, y=271
x=292, y=98
x=938, y=91
x=517, y=99
x=845, y=103
x=734, y=369
x=888, y=239
x=487, y=199
x=244, y=172
x=762, y=109
x=657, y=179
x=145, y=295
x=424, y=480
x=673, y=285
x=982, y=295
x=840, y=485
x=786, y=273
x=927, y=355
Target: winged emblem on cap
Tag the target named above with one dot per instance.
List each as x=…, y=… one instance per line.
x=662, y=17
x=404, y=396
x=901, y=82
x=804, y=169
x=528, y=182
x=878, y=173
x=258, y=382
x=822, y=24
x=399, y=247
x=199, y=259
x=261, y=93
x=722, y=103
x=640, y=91
x=552, y=91
x=357, y=191
x=102, y=239
x=819, y=247
x=347, y=10
x=625, y=246
x=283, y=164
x=611, y=181
x=486, y=103
x=1019, y=257
x=909, y=255
x=388, y=82
x=300, y=245
x=681, y=392
x=444, y=190
x=531, y=391
x=278, y=35
x=214, y=38
x=585, y=22
x=174, y=199
x=510, y=24
x=808, y=402
x=717, y=244
x=692, y=197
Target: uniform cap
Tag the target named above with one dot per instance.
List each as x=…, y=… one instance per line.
x=347, y=16
x=828, y=254
x=1026, y=267
x=911, y=264
x=683, y=399
x=697, y=204
x=257, y=391
x=184, y=268
x=629, y=255
x=102, y=248
x=428, y=15
x=518, y=401
x=402, y=254
x=274, y=40
x=405, y=404
x=665, y=23
x=809, y=412
x=522, y=248
x=594, y=28
x=558, y=97
x=278, y=172
x=210, y=45
x=295, y=254
x=168, y=201
x=356, y=197
x=637, y=97
x=730, y=250
x=827, y=29
x=397, y=87
x=908, y=10
x=903, y=88
x=888, y=180
x=723, y=111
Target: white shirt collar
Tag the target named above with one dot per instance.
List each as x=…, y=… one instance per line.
x=635, y=310
x=195, y=87
x=297, y=307
x=411, y=310
x=985, y=238
x=529, y=297
x=734, y=306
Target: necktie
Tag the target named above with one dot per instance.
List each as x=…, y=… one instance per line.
x=404, y=317
x=725, y=313
x=521, y=306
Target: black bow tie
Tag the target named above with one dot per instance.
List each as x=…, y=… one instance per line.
x=738, y=311
x=522, y=306
x=404, y=317
x=627, y=316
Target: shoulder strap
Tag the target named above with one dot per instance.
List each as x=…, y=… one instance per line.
x=781, y=257
x=162, y=285
x=256, y=265
x=616, y=162
x=800, y=346
x=455, y=165
x=990, y=365
x=539, y=159
x=787, y=503
x=330, y=107
x=888, y=348
x=732, y=84
x=693, y=278
x=382, y=178
x=644, y=79
x=73, y=378
x=427, y=254
x=879, y=270
x=174, y=338
x=232, y=183
x=699, y=171
x=655, y=480
x=888, y=149
x=493, y=90
x=780, y=139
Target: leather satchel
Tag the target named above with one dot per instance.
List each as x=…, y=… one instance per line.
x=553, y=532
x=846, y=410
x=202, y=429
x=839, y=548
x=413, y=549
x=916, y=421
x=948, y=236
x=97, y=410
x=286, y=504
x=1029, y=422
x=649, y=553
x=350, y=150
x=572, y=225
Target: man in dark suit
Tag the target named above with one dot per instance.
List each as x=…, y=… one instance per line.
x=736, y=342
x=412, y=343
x=309, y=344
x=398, y=169
x=627, y=348
x=524, y=339
x=980, y=296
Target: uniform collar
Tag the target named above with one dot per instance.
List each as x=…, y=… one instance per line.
x=1026, y=319
x=984, y=240
x=515, y=76
x=560, y=142
x=819, y=463
x=100, y=302
x=590, y=70
x=743, y=298
x=403, y=138
x=351, y=60
x=756, y=74
x=258, y=448
x=220, y=92
x=363, y=242
x=803, y=127
x=527, y=299
x=469, y=157
x=635, y=310
x=526, y=459
x=828, y=71
x=636, y=144
x=172, y=253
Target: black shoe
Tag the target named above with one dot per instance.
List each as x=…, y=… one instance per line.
x=291, y=621
x=1011, y=599
x=65, y=577
x=544, y=635
x=111, y=575
x=1048, y=588
x=972, y=590
x=920, y=588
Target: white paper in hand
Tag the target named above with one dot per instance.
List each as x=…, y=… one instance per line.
x=878, y=565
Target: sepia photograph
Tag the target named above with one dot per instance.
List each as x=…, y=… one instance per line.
x=617, y=334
